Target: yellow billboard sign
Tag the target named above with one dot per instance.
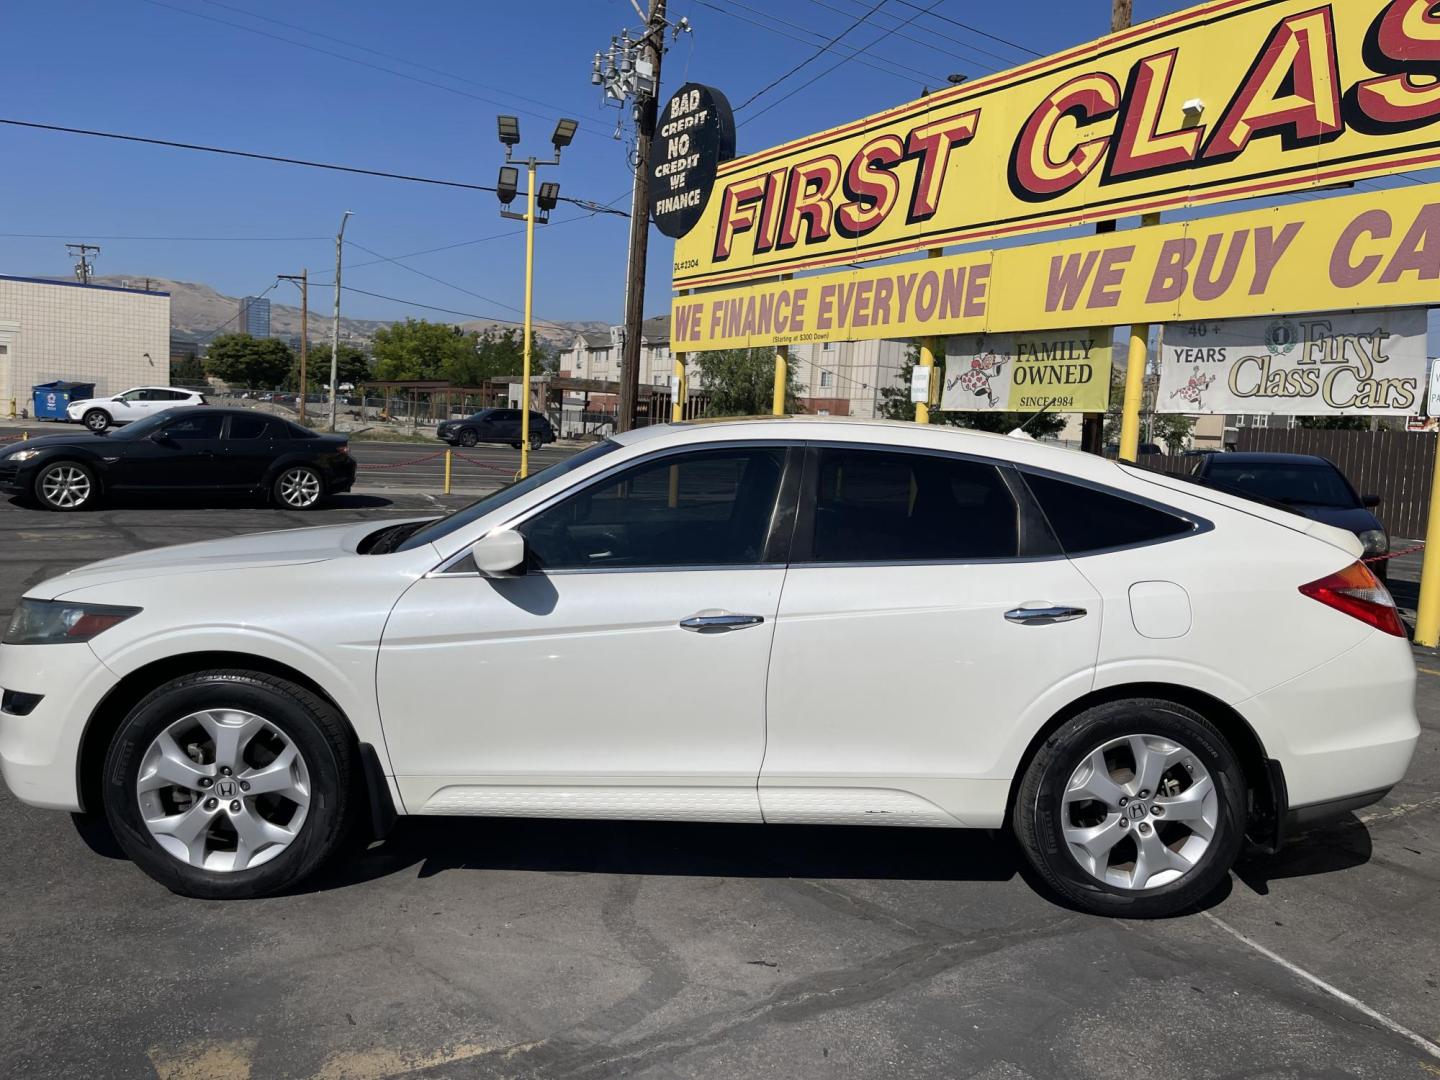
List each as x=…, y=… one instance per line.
x=1228, y=100
x=1380, y=249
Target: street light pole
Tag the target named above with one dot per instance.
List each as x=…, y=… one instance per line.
x=529, y=329
x=335, y=324
x=303, y=280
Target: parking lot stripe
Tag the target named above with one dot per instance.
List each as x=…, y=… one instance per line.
x=1427, y=671
x=1334, y=991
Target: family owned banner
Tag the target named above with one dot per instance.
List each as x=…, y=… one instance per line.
x=1059, y=371
x=1362, y=363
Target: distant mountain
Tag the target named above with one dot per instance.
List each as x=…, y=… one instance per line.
x=198, y=312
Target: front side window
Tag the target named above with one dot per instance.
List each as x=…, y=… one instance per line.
x=191, y=427
x=881, y=506
x=707, y=508
x=1087, y=519
x=132, y=395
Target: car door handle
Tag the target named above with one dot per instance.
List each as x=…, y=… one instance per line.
x=1043, y=615
x=719, y=621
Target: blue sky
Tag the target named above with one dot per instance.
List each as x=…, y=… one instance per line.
x=207, y=71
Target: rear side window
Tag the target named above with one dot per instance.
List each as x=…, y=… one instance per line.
x=1086, y=519
x=295, y=431
x=879, y=506
x=247, y=427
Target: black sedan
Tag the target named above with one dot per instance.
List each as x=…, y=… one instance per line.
x=496, y=426
x=231, y=451
x=1305, y=484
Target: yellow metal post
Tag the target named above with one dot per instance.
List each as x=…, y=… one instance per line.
x=24, y=435
x=1135, y=380
x=529, y=294
x=681, y=391
x=929, y=347
x=448, y=454
x=1427, y=613
x=782, y=364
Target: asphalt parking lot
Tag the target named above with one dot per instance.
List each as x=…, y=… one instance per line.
x=472, y=948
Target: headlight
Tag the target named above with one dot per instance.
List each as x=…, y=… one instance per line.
x=24, y=455
x=1375, y=541
x=50, y=622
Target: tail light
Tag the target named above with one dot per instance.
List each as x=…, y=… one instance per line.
x=343, y=448
x=1358, y=593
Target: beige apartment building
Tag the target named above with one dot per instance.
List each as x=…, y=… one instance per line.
x=113, y=337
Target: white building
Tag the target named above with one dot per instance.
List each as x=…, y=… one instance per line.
x=113, y=337
x=841, y=378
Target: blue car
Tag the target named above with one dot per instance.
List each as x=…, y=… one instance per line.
x=1302, y=483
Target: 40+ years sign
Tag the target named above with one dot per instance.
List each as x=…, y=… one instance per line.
x=1362, y=363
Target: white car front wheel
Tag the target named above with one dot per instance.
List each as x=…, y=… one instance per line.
x=97, y=419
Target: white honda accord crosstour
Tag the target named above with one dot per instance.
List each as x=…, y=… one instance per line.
x=781, y=621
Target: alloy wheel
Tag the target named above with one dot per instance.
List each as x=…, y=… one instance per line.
x=299, y=488
x=66, y=486
x=223, y=790
x=1139, y=812
x=97, y=421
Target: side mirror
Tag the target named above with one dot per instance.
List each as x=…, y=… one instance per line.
x=160, y=436
x=1370, y=501
x=500, y=554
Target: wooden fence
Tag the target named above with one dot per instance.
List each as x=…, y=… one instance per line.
x=1396, y=465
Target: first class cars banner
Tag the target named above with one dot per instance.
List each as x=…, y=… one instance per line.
x=1380, y=249
x=1356, y=363
x=1227, y=100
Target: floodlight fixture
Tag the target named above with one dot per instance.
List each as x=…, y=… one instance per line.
x=508, y=184
x=564, y=133
x=547, y=196
x=509, y=128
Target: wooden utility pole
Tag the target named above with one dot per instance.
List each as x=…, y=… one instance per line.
x=1092, y=428
x=303, y=280
x=647, y=106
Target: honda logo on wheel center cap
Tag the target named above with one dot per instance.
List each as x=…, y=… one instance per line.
x=1136, y=810
x=227, y=789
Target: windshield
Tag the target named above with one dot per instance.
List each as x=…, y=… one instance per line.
x=141, y=429
x=496, y=499
x=1283, y=482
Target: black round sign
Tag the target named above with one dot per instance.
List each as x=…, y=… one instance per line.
x=694, y=134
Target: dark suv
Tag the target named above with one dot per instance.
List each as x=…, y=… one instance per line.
x=496, y=426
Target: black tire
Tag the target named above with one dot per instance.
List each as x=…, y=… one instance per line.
x=1039, y=809
x=97, y=419
x=467, y=438
x=536, y=442
x=80, y=493
x=514, y=446
x=310, y=723
x=291, y=482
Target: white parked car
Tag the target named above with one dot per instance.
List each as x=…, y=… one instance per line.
x=135, y=404
x=761, y=621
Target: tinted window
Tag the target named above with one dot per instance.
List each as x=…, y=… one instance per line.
x=155, y=395
x=1303, y=484
x=710, y=508
x=1086, y=519
x=247, y=427
x=873, y=506
x=201, y=425
x=171, y=395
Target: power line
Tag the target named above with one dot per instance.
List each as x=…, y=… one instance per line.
x=353, y=60
x=813, y=56
x=973, y=29
x=167, y=239
x=388, y=56
x=431, y=277
x=1007, y=61
x=447, y=311
x=877, y=63
x=584, y=203
x=816, y=78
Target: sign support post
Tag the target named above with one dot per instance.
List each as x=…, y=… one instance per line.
x=782, y=379
x=1427, y=612
x=1135, y=379
x=928, y=348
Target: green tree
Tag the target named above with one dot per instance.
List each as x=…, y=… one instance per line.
x=419, y=349
x=352, y=364
x=492, y=353
x=1335, y=423
x=187, y=372
x=256, y=363
x=1171, y=430
x=741, y=382
x=895, y=404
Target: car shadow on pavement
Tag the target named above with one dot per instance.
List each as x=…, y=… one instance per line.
x=204, y=500
x=440, y=845
x=1325, y=849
